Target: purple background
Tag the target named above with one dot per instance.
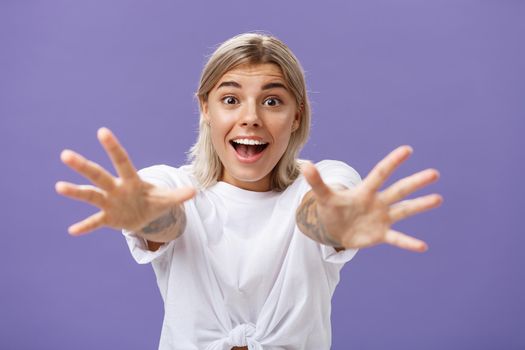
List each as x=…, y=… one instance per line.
x=447, y=77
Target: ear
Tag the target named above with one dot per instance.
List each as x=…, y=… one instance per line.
x=297, y=119
x=204, y=110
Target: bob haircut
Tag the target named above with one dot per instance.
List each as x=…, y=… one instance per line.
x=251, y=48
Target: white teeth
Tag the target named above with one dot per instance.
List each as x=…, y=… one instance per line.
x=249, y=142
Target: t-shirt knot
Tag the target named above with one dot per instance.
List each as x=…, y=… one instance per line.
x=240, y=334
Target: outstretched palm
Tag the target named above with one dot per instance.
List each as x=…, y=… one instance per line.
x=126, y=202
x=362, y=216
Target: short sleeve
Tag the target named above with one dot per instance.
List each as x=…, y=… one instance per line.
x=330, y=255
x=157, y=175
x=139, y=249
x=335, y=172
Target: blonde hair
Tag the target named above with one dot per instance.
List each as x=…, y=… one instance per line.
x=251, y=48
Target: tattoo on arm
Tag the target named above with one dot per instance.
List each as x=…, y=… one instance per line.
x=174, y=219
x=309, y=223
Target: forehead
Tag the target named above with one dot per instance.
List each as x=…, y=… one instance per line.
x=263, y=71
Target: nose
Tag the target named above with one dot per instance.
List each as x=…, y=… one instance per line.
x=250, y=116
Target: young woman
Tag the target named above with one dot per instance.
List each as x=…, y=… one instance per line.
x=246, y=240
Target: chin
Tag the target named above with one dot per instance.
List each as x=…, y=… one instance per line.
x=248, y=176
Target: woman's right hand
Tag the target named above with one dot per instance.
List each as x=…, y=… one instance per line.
x=125, y=202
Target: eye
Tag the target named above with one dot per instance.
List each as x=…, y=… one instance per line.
x=229, y=100
x=272, y=101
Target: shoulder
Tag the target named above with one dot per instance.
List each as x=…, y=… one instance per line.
x=336, y=171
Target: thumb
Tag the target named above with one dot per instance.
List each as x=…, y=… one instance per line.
x=312, y=176
x=180, y=195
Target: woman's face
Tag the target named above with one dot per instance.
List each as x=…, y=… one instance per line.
x=252, y=114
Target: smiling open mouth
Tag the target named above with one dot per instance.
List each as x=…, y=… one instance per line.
x=247, y=150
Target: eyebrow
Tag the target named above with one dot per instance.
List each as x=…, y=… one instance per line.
x=265, y=87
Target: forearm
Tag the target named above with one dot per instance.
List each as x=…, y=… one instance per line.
x=166, y=228
x=307, y=219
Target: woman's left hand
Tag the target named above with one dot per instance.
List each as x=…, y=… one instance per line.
x=362, y=216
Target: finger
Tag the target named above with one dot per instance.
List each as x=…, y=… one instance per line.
x=87, y=225
x=91, y=170
x=408, y=185
x=385, y=168
x=404, y=241
x=410, y=207
x=85, y=193
x=117, y=154
x=312, y=176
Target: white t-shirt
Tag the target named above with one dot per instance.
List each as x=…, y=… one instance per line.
x=242, y=274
